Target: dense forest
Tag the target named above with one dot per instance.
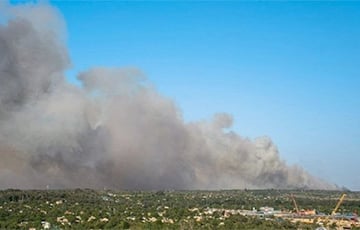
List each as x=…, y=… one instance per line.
x=105, y=209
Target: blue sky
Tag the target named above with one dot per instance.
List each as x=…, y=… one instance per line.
x=288, y=70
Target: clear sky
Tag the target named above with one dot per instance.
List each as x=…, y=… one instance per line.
x=288, y=70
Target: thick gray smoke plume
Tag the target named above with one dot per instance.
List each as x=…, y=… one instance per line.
x=116, y=131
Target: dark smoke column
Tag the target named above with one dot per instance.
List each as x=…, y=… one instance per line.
x=115, y=131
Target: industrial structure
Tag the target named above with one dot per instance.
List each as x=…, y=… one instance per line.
x=341, y=221
x=338, y=204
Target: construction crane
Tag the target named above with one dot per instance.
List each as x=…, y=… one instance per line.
x=338, y=204
x=294, y=201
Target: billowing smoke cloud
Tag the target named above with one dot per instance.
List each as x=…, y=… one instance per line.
x=116, y=131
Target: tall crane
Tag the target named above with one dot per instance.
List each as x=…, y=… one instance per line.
x=295, y=205
x=338, y=204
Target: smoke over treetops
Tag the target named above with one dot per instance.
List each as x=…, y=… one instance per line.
x=116, y=131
